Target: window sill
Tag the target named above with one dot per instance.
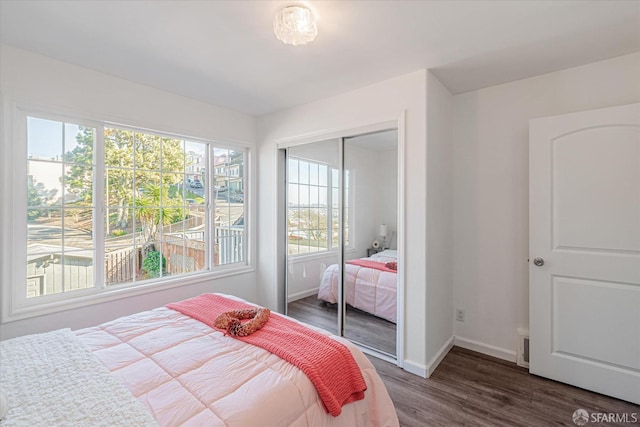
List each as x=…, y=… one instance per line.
x=21, y=313
x=296, y=259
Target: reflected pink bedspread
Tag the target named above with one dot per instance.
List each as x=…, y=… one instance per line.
x=368, y=289
x=187, y=373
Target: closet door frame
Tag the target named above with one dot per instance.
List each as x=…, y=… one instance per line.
x=382, y=124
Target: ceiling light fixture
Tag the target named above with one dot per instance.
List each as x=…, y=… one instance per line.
x=295, y=25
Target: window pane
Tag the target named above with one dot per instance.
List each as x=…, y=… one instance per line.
x=118, y=226
x=236, y=177
x=293, y=196
x=44, y=183
x=174, y=252
x=322, y=175
x=314, y=196
x=149, y=191
x=303, y=192
x=293, y=218
x=44, y=230
x=173, y=183
x=314, y=218
x=44, y=139
x=118, y=187
x=322, y=197
x=313, y=174
x=122, y=264
x=78, y=269
x=148, y=225
x=147, y=152
x=323, y=228
x=154, y=263
x=229, y=228
x=44, y=274
x=78, y=229
x=335, y=229
x=118, y=148
x=228, y=188
x=173, y=159
x=222, y=193
x=78, y=183
x=78, y=144
x=293, y=170
x=195, y=157
x=303, y=172
x=195, y=219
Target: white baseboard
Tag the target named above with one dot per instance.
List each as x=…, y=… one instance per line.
x=435, y=360
x=425, y=371
x=303, y=294
x=490, y=350
x=415, y=368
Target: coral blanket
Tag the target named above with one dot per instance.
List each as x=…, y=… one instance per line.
x=328, y=363
x=371, y=264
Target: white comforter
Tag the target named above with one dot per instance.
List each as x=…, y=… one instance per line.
x=52, y=379
x=367, y=289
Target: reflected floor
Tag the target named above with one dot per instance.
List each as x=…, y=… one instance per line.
x=360, y=327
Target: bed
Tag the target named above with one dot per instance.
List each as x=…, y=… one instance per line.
x=368, y=289
x=175, y=370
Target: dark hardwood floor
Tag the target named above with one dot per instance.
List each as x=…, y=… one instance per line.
x=468, y=388
x=471, y=389
x=360, y=327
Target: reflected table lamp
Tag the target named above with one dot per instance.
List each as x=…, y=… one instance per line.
x=382, y=232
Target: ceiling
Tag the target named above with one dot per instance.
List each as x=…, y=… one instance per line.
x=225, y=53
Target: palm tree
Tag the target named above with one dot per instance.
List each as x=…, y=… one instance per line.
x=154, y=209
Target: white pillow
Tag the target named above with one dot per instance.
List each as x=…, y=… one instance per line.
x=4, y=404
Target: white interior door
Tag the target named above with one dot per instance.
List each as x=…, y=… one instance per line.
x=585, y=228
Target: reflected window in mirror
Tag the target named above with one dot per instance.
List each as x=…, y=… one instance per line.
x=313, y=214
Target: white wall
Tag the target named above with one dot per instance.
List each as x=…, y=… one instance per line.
x=491, y=200
x=387, y=197
x=379, y=102
x=305, y=273
x=58, y=87
x=365, y=206
x=439, y=221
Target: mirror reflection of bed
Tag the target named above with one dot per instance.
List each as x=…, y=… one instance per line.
x=369, y=237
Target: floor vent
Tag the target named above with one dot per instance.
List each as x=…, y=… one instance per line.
x=523, y=347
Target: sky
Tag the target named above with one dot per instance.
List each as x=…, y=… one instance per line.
x=45, y=137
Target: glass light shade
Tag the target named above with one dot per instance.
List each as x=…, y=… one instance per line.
x=295, y=25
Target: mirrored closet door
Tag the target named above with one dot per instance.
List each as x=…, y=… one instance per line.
x=341, y=226
x=313, y=233
x=370, y=244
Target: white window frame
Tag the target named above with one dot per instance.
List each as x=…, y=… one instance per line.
x=16, y=305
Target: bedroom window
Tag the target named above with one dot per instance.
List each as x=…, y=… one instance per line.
x=109, y=206
x=313, y=207
x=60, y=207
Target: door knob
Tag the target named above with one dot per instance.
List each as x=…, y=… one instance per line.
x=538, y=262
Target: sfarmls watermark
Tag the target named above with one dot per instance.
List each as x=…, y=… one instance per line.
x=582, y=417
